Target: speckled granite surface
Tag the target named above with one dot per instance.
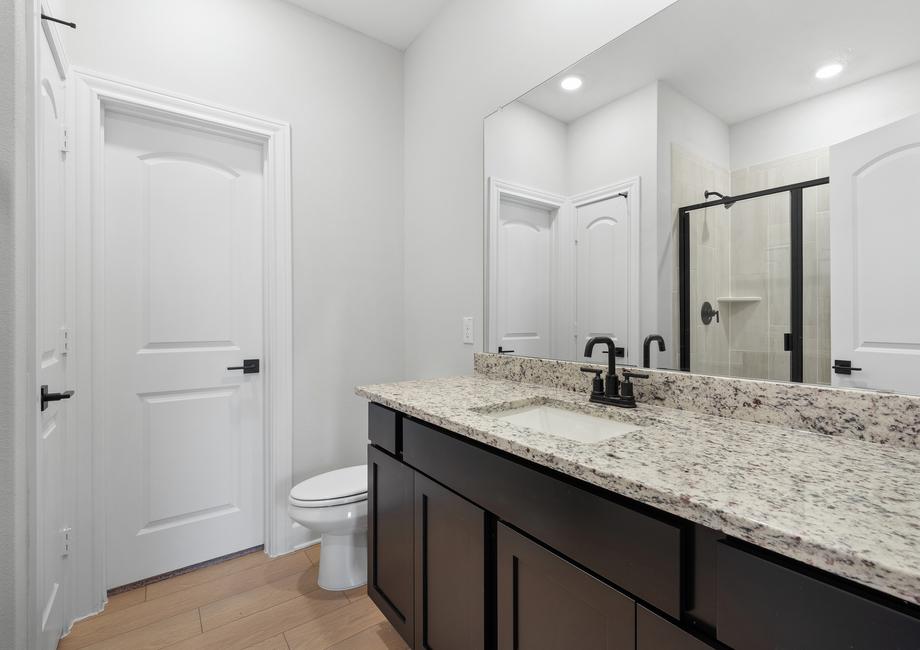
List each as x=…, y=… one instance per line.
x=843, y=505
x=858, y=414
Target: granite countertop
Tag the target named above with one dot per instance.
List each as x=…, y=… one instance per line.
x=846, y=506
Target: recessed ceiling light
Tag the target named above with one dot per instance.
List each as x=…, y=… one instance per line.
x=829, y=70
x=571, y=82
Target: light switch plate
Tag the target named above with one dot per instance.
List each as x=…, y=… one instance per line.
x=468, y=336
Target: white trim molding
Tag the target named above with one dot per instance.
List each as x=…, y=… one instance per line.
x=93, y=96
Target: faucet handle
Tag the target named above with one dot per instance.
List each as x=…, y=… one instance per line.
x=597, y=385
x=627, y=374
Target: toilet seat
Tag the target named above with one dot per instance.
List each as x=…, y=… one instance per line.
x=335, y=488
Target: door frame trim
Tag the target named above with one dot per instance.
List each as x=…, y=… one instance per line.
x=498, y=189
x=93, y=95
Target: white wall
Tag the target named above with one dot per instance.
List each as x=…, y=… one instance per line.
x=15, y=240
x=686, y=124
x=526, y=147
x=476, y=56
x=828, y=119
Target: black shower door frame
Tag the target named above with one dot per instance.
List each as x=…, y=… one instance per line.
x=796, y=255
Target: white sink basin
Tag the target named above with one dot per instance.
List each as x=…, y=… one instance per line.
x=563, y=423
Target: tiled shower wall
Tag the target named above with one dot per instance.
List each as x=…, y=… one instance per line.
x=760, y=244
x=710, y=257
x=744, y=252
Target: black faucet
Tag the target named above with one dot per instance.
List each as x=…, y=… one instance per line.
x=646, y=348
x=614, y=393
x=613, y=383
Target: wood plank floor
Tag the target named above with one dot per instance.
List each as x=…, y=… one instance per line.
x=249, y=602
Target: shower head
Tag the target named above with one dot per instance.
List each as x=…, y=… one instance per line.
x=728, y=202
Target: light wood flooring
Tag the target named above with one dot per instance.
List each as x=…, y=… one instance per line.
x=247, y=602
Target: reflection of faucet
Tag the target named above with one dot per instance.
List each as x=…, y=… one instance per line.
x=646, y=348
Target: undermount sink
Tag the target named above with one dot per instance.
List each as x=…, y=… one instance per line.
x=564, y=423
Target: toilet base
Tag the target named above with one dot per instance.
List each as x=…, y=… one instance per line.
x=343, y=561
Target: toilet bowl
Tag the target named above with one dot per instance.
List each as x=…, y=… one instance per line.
x=334, y=504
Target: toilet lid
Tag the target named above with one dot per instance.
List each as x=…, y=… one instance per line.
x=341, y=485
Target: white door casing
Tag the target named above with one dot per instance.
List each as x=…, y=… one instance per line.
x=875, y=300
x=163, y=340
x=53, y=503
x=523, y=268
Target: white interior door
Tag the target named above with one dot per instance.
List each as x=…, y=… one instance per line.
x=602, y=274
x=53, y=505
x=183, y=280
x=874, y=225
x=524, y=277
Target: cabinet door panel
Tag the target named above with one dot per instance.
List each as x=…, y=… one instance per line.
x=767, y=606
x=546, y=603
x=449, y=570
x=656, y=633
x=391, y=501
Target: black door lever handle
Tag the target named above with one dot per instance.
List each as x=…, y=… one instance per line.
x=249, y=367
x=53, y=397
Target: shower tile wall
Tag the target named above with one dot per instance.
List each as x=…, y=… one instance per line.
x=710, y=266
x=744, y=251
x=760, y=245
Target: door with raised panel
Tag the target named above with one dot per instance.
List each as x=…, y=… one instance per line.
x=602, y=274
x=524, y=277
x=546, y=603
x=182, y=303
x=875, y=304
x=450, y=597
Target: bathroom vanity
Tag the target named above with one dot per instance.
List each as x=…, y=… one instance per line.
x=685, y=531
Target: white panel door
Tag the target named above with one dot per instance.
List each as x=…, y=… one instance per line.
x=875, y=275
x=183, y=302
x=602, y=274
x=524, y=277
x=53, y=504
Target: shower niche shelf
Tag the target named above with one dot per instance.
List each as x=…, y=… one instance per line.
x=739, y=299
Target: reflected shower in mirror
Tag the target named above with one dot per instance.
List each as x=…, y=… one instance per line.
x=732, y=177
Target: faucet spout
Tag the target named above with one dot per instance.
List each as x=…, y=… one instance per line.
x=646, y=348
x=613, y=383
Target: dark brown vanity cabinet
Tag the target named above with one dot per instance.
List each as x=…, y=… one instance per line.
x=547, y=603
x=472, y=548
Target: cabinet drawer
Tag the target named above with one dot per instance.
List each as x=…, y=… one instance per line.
x=638, y=552
x=768, y=606
x=546, y=603
x=383, y=427
x=656, y=633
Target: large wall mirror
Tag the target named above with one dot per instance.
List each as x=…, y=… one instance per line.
x=734, y=178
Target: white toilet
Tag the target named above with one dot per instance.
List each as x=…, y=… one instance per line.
x=335, y=505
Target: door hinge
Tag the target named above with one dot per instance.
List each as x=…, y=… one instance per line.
x=66, y=540
x=65, y=147
x=64, y=346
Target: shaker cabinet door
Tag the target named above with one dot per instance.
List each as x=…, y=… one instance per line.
x=390, y=539
x=450, y=598
x=546, y=603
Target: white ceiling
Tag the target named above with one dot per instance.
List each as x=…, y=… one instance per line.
x=395, y=22
x=742, y=58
